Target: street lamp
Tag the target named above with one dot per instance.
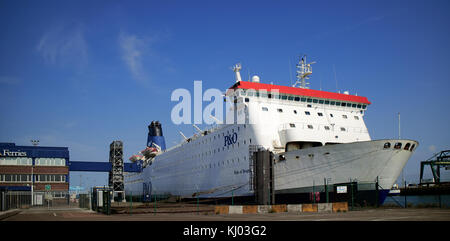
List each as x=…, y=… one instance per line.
x=34, y=143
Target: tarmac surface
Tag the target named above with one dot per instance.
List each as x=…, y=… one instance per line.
x=367, y=214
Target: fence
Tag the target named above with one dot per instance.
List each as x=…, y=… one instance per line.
x=50, y=200
x=14, y=199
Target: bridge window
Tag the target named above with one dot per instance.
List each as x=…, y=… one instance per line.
x=309, y=100
x=332, y=103
x=291, y=98
x=303, y=99
x=353, y=105
x=320, y=101
x=315, y=100
x=398, y=145
x=387, y=145
x=327, y=102
x=407, y=146
x=297, y=98
x=412, y=147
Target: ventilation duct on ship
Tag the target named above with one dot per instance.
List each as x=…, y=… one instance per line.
x=155, y=135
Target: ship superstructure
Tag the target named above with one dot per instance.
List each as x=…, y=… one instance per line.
x=314, y=135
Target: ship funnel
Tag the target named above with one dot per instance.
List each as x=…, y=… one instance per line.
x=155, y=135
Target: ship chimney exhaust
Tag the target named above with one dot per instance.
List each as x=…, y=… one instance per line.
x=155, y=135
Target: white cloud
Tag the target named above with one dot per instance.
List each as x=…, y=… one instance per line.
x=133, y=48
x=64, y=45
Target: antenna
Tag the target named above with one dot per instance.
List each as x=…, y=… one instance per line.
x=290, y=70
x=198, y=129
x=399, y=125
x=236, y=68
x=181, y=133
x=304, y=70
x=217, y=120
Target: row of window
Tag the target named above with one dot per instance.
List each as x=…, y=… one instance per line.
x=15, y=178
x=327, y=128
x=15, y=161
x=264, y=94
x=309, y=113
x=50, y=178
x=27, y=178
x=50, y=162
x=26, y=161
x=398, y=145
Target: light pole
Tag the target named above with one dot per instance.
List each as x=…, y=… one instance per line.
x=34, y=143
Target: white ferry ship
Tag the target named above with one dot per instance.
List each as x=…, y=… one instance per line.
x=314, y=135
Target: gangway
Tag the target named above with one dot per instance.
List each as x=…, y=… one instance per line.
x=115, y=167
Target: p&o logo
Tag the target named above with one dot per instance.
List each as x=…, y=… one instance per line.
x=231, y=139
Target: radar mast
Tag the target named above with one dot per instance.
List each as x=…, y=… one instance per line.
x=236, y=70
x=303, y=72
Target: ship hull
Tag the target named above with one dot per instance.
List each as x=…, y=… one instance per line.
x=362, y=162
x=300, y=173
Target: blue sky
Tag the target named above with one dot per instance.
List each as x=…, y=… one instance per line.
x=84, y=73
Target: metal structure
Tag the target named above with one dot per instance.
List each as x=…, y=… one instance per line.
x=116, y=180
x=304, y=70
x=438, y=160
x=264, y=177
